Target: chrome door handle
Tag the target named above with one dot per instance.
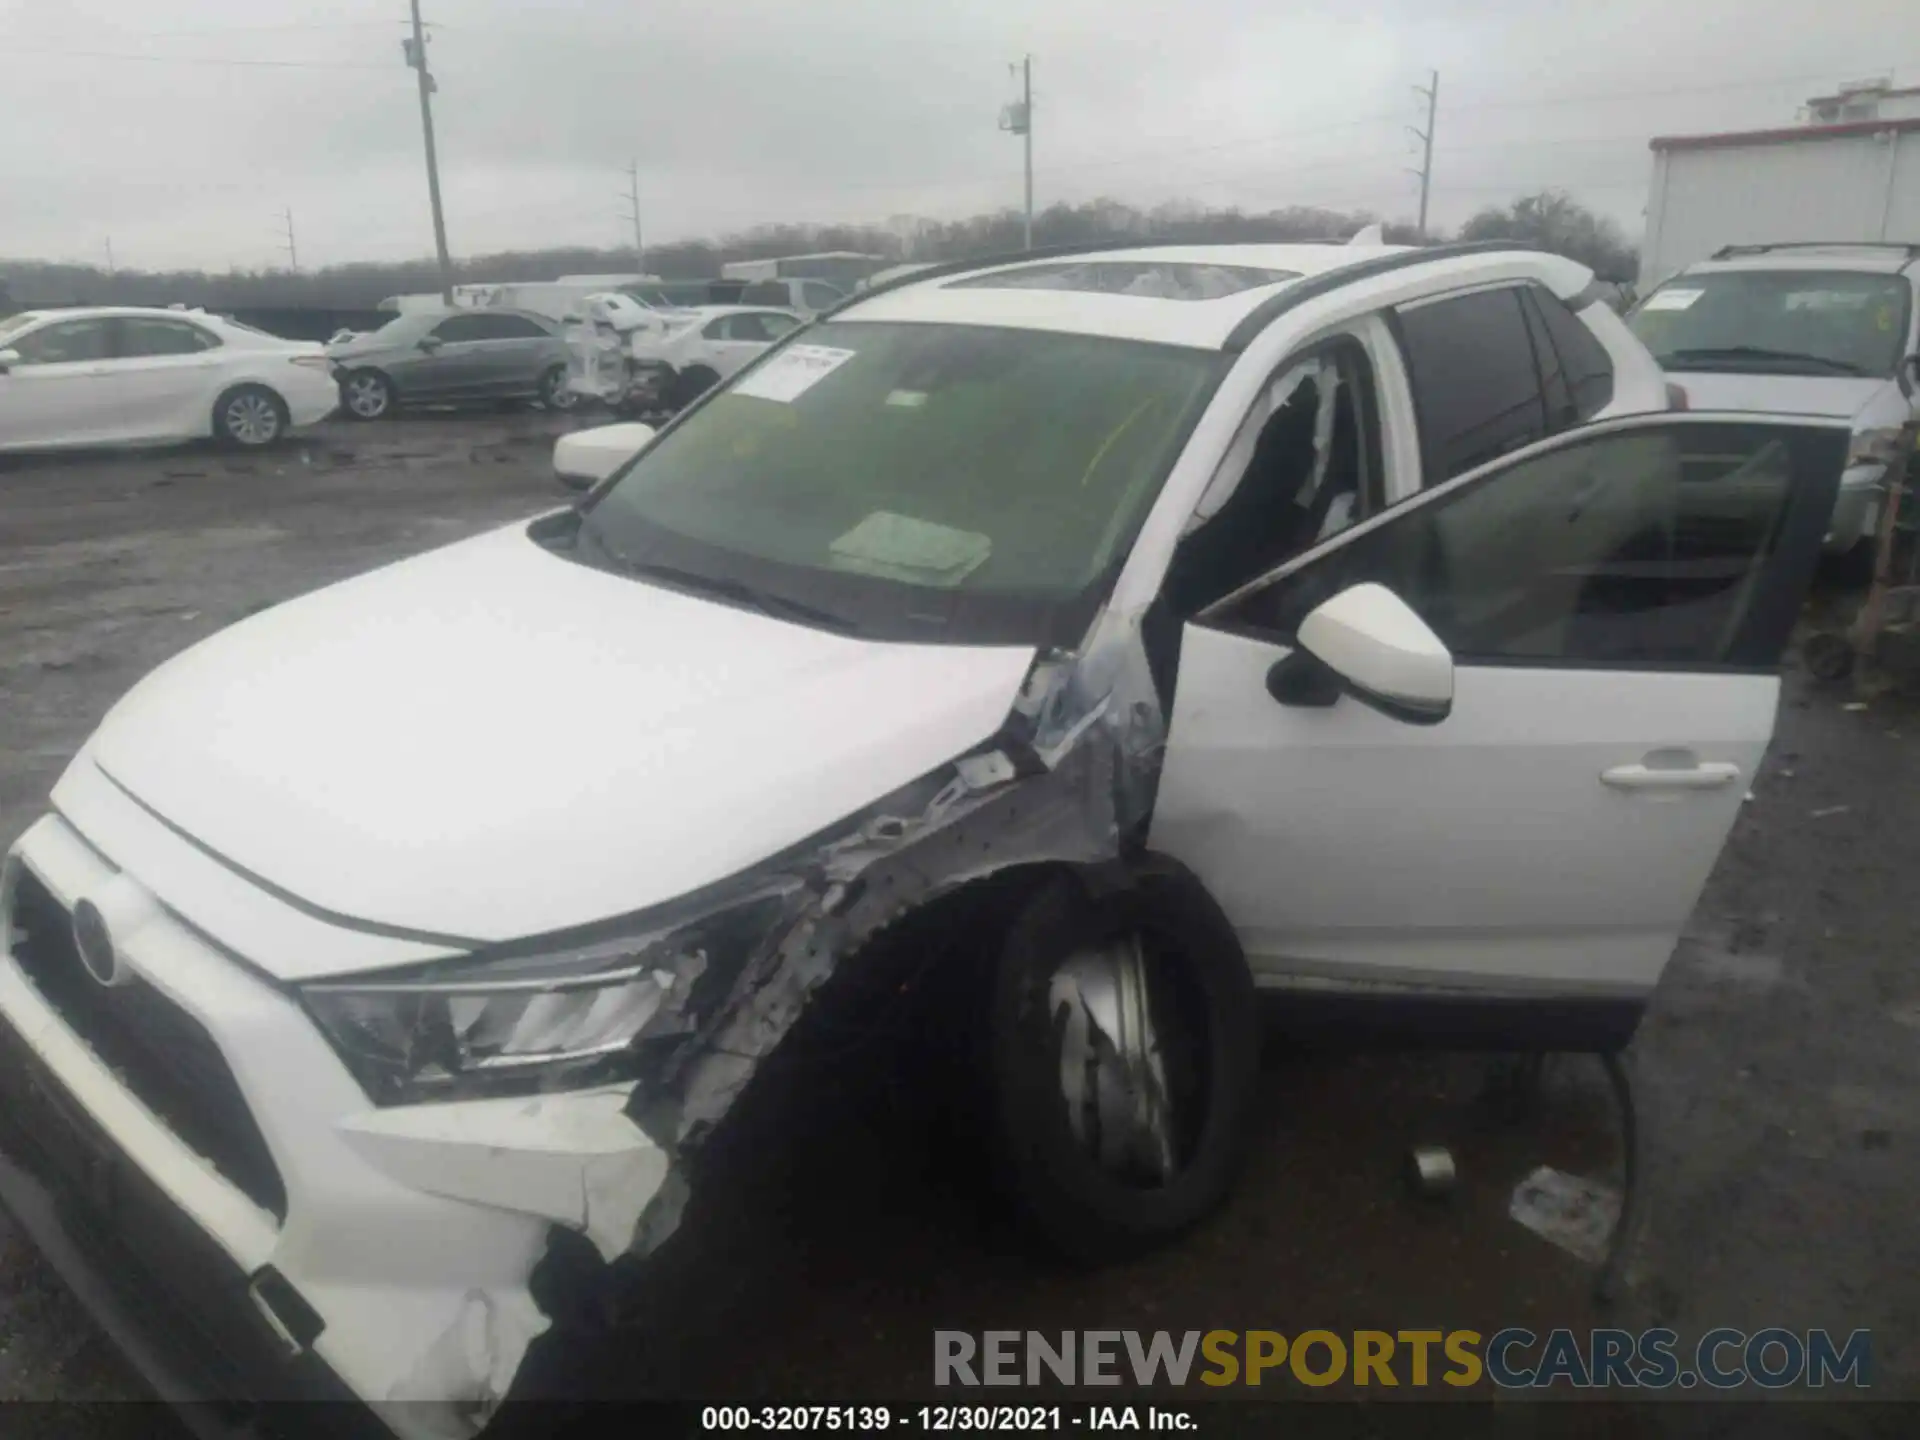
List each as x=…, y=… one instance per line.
x=1711, y=775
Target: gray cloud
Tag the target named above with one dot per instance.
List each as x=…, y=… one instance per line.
x=743, y=111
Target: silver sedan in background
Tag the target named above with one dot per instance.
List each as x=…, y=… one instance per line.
x=445, y=357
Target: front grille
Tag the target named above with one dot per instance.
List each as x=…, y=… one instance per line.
x=160, y=1052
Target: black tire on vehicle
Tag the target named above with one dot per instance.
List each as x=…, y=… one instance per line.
x=249, y=417
x=367, y=395
x=1827, y=656
x=554, y=393
x=1202, y=1000
x=690, y=384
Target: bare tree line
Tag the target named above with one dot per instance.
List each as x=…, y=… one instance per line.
x=1551, y=219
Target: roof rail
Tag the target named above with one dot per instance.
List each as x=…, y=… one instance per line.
x=1728, y=252
x=1256, y=321
x=946, y=268
x=1327, y=281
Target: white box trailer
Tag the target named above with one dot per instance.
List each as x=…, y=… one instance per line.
x=1841, y=183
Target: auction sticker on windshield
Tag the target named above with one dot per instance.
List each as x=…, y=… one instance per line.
x=1672, y=299
x=793, y=372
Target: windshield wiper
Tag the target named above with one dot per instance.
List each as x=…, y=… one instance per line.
x=780, y=607
x=1756, y=352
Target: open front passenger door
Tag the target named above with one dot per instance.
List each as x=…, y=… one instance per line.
x=1615, y=601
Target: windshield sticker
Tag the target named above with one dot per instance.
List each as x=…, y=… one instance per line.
x=1672, y=299
x=793, y=372
x=907, y=399
x=899, y=547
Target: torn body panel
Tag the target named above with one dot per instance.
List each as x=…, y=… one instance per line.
x=1070, y=780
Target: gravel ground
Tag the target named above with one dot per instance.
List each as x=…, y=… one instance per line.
x=1780, y=1061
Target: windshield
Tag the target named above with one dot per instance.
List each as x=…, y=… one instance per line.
x=1778, y=322
x=937, y=483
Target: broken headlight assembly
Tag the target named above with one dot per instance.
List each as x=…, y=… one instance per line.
x=566, y=1017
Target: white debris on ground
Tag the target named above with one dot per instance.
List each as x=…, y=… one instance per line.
x=1577, y=1215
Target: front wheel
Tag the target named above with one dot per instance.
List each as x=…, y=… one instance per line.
x=1121, y=1050
x=554, y=393
x=368, y=395
x=249, y=416
x=690, y=384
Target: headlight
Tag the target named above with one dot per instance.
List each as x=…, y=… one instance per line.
x=1878, y=447
x=571, y=1016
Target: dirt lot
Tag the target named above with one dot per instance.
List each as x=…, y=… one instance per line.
x=1781, y=1061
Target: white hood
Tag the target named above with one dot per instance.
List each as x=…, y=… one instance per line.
x=490, y=741
x=1836, y=396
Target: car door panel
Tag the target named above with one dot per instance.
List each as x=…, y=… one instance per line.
x=1614, y=695
x=162, y=395
x=57, y=394
x=1491, y=846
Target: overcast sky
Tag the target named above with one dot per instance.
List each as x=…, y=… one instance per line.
x=133, y=120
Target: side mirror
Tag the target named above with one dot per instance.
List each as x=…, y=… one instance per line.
x=431, y=343
x=1366, y=642
x=584, y=458
x=1908, y=374
x=8, y=359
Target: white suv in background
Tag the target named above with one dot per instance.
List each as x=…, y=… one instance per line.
x=1104, y=640
x=1804, y=329
x=127, y=375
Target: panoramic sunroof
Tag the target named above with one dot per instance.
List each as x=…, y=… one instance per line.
x=1156, y=279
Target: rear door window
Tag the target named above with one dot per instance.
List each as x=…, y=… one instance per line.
x=1476, y=388
x=1583, y=360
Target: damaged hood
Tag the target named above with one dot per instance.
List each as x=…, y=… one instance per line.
x=490, y=741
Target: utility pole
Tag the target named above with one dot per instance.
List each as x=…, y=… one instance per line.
x=109, y=254
x=632, y=198
x=1017, y=119
x=415, y=50
x=1425, y=137
x=293, y=254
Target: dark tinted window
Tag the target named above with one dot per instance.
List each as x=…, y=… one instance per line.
x=818, y=295
x=462, y=327
x=765, y=292
x=66, y=343
x=721, y=329
x=1583, y=359
x=1554, y=389
x=140, y=337
x=1643, y=546
x=509, y=327
x=777, y=325
x=1474, y=382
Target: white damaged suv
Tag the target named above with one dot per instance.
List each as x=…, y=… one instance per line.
x=1179, y=625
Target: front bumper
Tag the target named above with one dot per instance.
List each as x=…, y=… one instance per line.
x=406, y=1236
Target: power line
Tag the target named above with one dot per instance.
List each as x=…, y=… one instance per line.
x=1432, y=92
x=415, y=50
x=632, y=198
x=195, y=60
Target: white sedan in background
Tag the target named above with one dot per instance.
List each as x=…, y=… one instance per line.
x=676, y=357
x=124, y=375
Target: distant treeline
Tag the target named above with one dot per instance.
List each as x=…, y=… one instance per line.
x=361, y=286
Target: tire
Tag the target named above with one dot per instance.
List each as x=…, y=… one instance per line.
x=249, y=417
x=1828, y=657
x=554, y=393
x=690, y=384
x=1094, y=1208
x=368, y=395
